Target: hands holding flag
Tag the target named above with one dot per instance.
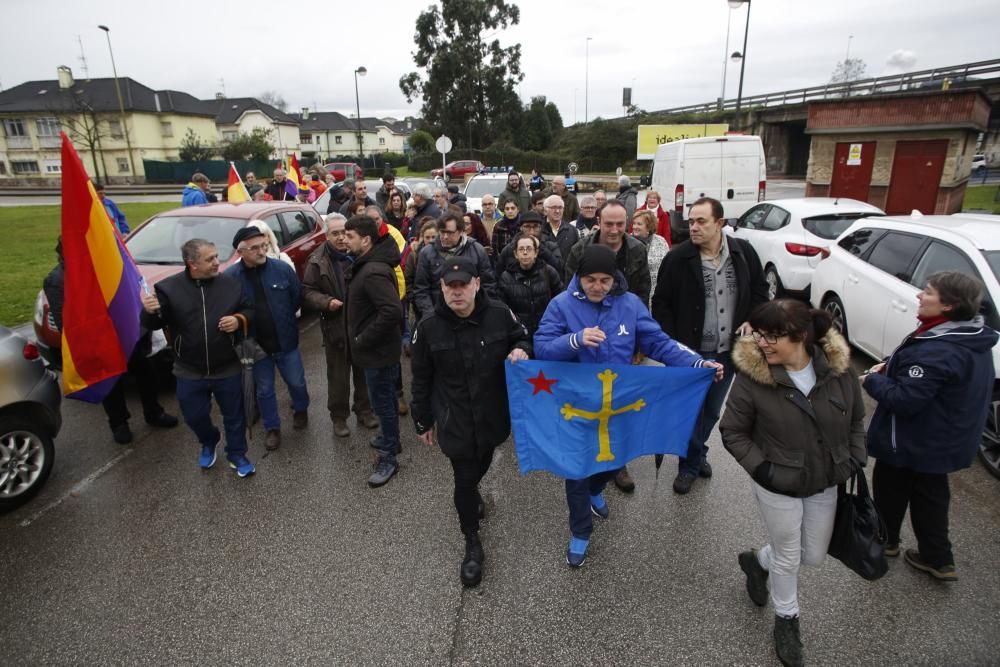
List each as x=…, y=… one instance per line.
x=594, y=336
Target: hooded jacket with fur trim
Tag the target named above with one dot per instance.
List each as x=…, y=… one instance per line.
x=808, y=440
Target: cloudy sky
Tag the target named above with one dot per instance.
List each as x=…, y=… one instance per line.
x=670, y=52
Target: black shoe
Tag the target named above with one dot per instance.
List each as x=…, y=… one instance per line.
x=624, y=482
x=683, y=482
x=472, y=565
x=787, y=643
x=162, y=421
x=122, y=434
x=756, y=577
x=705, y=470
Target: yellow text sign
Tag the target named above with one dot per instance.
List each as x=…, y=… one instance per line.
x=652, y=136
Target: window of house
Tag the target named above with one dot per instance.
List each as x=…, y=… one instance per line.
x=53, y=166
x=306, y=138
x=14, y=127
x=24, y=166
x=381, y=141
x=47, y=127
x=317, y=140
x=122, y=165
x=338, y=139
x=115, y=129
x=229, y=135
x=166, y=128
x=3, y=168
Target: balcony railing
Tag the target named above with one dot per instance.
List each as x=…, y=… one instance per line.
x=49, y=142
x=19, y=142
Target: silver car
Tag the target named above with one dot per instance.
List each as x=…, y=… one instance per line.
x=29, y=419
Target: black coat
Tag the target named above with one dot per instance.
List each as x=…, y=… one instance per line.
x=679, y=297
x=459, y=383
x=528, y=292
x=566, y=238
x=374, y=312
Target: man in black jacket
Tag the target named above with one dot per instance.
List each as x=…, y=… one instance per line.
x=203, y=308
x=375, y=327
x=460, y=390
x=704, y=294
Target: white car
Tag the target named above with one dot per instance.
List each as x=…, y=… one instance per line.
x=791, y=236
x=322, y=202
x=870, y=281
x=978, y=163
x=482, y=184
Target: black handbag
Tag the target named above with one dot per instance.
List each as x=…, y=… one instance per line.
x=859, y=533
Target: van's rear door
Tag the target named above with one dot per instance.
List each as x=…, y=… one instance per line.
x=742, y=173
x=701, y=171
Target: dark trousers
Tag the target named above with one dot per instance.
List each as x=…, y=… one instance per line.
x=927, y=495
x=339, y=371
x=468, y=473
x=708, y=417
x=382, y=394
x=141, y=369
x=195, y=399
x=578, y=493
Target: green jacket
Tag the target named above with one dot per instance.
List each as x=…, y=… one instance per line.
x=522, y=196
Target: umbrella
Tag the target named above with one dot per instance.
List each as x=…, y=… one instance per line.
x=249, y=353
x=658, y=461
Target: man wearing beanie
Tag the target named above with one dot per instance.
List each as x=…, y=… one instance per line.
x=571, y=330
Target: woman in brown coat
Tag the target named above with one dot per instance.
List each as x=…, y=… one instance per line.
x=794, y=421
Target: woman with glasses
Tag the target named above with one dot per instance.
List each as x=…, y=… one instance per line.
x=528, y=285
x=794, y=421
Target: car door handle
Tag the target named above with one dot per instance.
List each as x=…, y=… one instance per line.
x=899, y=305
x=853, y=278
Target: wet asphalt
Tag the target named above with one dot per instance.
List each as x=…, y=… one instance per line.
x=133, y=555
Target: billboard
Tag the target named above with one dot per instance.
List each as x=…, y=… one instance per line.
x=651, y=136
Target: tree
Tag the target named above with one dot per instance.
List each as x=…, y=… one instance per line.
x=555, y=118
x=82, y=127
x=535, y=131
x=850, y=69
x=192, y=150
x=469, y=86
x=274, y=99
x=255, y=146
x=421, y=142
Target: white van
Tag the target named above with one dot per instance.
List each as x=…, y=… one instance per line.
x=730, y=169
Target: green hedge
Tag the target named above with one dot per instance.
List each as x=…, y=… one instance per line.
x=216, y=170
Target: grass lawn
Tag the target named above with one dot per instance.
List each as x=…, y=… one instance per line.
x=31, y=233
x=981, y=198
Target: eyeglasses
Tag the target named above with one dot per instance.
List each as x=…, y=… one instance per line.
x=260, y=246
x=770, y=339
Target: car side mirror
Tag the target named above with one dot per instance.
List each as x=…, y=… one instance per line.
x=644, y=181
x=732, y=222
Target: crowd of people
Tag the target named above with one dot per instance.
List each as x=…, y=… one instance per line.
x=596, y=281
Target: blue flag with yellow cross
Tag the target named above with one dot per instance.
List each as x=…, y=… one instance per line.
x=575, y=420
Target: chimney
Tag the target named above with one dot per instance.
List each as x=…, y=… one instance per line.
x=220, y=96
x=305, y=113
x=65, y=75
x=409, y=123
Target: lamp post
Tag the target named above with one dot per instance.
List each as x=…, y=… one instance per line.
x=741, y=57
x=121, y=101
x=357, y=100
x=586, y=84
x=725, y=60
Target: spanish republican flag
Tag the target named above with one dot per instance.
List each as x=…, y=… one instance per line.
x=294, y=180
x=237, y=192
x=102, y=293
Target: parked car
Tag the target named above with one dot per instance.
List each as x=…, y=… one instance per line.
x=29, y=419
x=322, y=202
x=978, y=163
x=791, y=236
x=870, y=281
x=341, y=171
x=481, y=184
x=155, y=246
x=458, y=169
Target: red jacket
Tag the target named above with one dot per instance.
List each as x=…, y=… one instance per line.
x=663, y=222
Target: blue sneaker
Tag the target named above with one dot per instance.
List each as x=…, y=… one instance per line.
x=207, y=458
x=599, y=507
x=576, y=553
x=241, y=464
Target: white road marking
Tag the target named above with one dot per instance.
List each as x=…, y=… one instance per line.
x=77, y=489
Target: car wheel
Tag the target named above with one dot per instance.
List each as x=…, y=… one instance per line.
x=26, y=455
x=835, y=307
x=774, y=288
x=989, y=447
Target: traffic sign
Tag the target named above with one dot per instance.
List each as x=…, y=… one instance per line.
x=572, y=167
x=443, y=144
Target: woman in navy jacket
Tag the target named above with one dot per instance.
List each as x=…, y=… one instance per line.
x=580, y=324
x=933, y=394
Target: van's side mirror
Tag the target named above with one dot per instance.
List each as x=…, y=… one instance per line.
x=644, y=181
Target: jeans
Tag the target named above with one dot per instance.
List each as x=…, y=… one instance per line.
x=928, y=496
x=289, y=364
x=468, y=473
x=799, y=531
x=195, y=399
x=140, y=367
x=578, y=493
x=708, y=417
x=382, y=394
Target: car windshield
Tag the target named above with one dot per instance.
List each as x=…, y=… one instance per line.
x=832, y=226
x=160, y=240
x=478, y=187
x=993, y=258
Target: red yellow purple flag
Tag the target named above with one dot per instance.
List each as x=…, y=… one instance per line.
x=102, y=302
x=294, y=180
x=237, y=192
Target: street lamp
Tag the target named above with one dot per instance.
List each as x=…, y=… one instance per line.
x=121, y=102
x=725, y=59
x=741, y=57
x=357, y=100
x=586, y=84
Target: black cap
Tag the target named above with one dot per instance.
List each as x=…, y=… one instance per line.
x=597, y=258
x=246, y=233
x=459, y=268
x=453, y=189
x=532, y=216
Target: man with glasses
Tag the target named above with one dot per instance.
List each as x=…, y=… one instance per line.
x=704, y=294
x=490, y=214
x=548, y=250
x=587, y=221
x=324, y=289
x=563, y=233
x=571, y=208
x=451, y=242
x=276, y=188
x=272, y=289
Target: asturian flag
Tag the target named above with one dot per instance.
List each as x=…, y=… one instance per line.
x=101, y=301
x=575, y=419
x=236, y=191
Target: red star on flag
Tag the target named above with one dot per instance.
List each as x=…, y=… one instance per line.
x=542, y=383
